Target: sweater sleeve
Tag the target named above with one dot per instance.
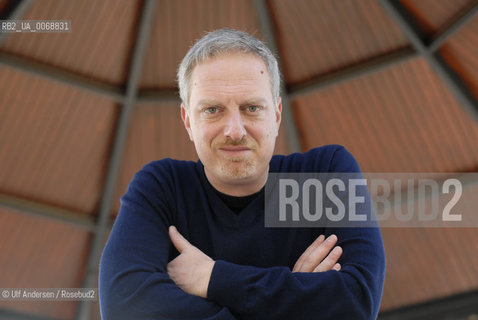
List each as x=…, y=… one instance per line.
x=277, y=293
x=354, y=292
x=133, y=280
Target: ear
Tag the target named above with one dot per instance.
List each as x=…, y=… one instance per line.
x=278, y=113
x=186, y=120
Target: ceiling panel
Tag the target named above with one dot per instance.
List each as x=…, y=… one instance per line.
x=98, y=45
x=3, y=4
x=401, y=118
x=426, y=264
x=178, y=23
x=317, y=37
x=431, y=15
x=461, y=53
x=429, y=263
x=39, y=253
x=156, y=132
x=54, y=142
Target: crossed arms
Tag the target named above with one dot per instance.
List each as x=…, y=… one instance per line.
x=192, y=269
x=142, y=278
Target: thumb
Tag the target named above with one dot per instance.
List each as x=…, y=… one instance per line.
x=179, y=242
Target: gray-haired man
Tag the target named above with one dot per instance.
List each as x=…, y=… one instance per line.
x=190, y=241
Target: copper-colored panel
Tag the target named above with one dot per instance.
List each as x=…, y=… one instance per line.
x=431, y=15
x=39, y=253
x=54, y=142
x=402, y=118
x=98, y=46
x=156, y=132
x=3, y=4
x=317, y=37
x=430, y=263
x=178, y=23
x=461, y=53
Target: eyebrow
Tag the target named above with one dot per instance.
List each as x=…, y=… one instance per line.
x=248, y=102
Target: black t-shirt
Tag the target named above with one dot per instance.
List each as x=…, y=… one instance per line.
x=236, y=204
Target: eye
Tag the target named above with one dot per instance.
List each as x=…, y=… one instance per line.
x=211, y=110
x=253, y=108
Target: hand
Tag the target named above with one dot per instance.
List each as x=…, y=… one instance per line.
x=192, y=269
x=319, y=256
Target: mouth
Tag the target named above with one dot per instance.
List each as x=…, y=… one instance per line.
x=235, y=151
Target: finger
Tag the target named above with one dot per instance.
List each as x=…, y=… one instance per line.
x=337, y=267
x=330, y=261
x=319, y=254
x=179, y=242
x=307, y=252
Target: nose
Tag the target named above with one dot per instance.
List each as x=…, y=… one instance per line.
x=234, y=128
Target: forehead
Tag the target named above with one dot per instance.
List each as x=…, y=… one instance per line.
x=232, y=73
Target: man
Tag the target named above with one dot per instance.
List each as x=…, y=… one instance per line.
x=190, y=241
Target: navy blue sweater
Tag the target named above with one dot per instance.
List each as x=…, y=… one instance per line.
x=252, y=277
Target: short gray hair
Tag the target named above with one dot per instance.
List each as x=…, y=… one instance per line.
x=220, y=42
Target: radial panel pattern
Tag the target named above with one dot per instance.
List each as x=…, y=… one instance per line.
x=399, y=119
x=432, y=15
x=38, y=253
x=460, y=53
x=156, y=132
x=54, y=142
x=178, y=23
x=317, y=37
x=98, y=45
x=425, y=264
x=56, y=139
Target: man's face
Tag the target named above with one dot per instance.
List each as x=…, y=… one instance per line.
x=233, y=121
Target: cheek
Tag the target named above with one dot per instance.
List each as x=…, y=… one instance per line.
x=204, y=133
x=268, y=131
x=263, y=135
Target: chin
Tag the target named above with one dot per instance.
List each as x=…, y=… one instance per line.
x=238, y=170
